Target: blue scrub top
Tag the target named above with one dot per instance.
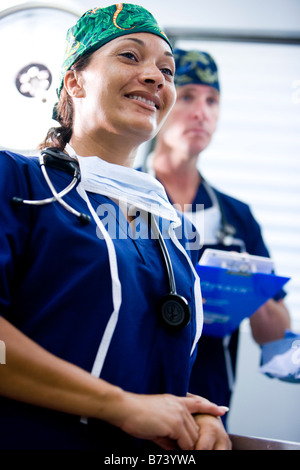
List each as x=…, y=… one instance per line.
x=56, y=287
x=213, y=373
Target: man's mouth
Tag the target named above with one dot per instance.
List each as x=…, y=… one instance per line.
x=197, y=130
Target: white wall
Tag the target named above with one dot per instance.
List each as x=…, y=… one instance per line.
x=237, y=14
x=261, y=406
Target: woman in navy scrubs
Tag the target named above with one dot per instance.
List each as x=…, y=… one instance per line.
x=90, y=362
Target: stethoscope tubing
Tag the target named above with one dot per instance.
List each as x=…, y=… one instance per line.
x=173, y=309
x=165, y=253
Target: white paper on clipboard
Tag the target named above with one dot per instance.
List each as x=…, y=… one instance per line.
x=237, y=262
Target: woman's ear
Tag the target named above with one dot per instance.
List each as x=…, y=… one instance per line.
x=73, y=84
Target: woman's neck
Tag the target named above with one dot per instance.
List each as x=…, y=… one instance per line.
x=109, y=149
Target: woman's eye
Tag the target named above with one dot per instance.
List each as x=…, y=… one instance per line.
x=167, y=71
x=128, y=55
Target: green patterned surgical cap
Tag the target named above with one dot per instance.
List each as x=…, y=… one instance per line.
x=98, y=26
x=195, y=67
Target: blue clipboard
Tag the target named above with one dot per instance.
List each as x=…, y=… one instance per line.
x=231, y=296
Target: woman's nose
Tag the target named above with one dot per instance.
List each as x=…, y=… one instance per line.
x=151, y=74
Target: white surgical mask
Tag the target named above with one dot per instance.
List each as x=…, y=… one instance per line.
x=127, y=185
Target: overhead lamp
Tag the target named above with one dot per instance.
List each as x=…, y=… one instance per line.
x=32, y=38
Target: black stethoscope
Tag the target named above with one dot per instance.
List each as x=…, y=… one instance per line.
x=57, y=159
x=172, y=308
x=225, y=234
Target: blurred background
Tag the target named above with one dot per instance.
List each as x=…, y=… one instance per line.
x=254, y=156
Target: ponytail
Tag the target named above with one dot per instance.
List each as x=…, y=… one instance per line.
x=64, y=112
x=59, y=136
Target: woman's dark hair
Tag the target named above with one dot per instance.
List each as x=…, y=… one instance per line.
x=59, y=136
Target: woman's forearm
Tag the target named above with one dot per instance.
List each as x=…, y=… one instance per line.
x=35, y=376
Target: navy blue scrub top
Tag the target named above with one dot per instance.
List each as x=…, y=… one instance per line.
x=214, y=370
x=56, y=287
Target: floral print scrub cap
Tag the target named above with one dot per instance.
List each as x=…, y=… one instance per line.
x=195, y=67
x=98, y=26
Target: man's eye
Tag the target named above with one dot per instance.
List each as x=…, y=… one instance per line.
x=212, y=101
x=186, y=97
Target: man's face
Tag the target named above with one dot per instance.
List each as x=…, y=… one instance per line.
x=193, y=119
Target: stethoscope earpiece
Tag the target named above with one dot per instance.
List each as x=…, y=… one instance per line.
x=16, y=201
x=84, y=218
x=174, y=311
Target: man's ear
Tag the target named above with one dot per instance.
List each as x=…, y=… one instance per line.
x=73, y=84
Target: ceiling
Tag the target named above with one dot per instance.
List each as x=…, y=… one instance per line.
x=42, y=25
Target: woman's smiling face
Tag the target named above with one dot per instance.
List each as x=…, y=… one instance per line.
x=127, y=87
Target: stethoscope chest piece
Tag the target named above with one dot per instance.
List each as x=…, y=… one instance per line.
x=174, y=311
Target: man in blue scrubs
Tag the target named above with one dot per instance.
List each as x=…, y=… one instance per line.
x=225, y=223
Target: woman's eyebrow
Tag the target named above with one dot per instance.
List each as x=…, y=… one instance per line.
x=139, y=41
